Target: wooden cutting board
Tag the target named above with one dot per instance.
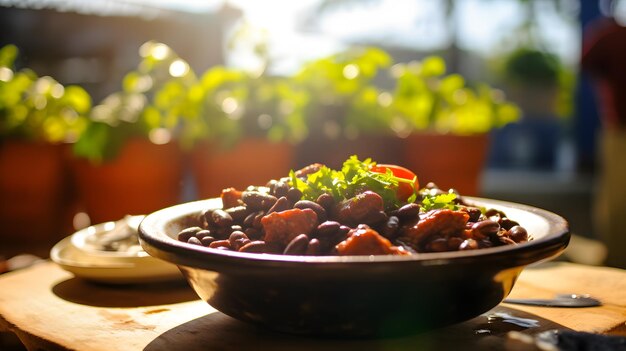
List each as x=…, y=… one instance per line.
x=49, y=309
x=607, y=284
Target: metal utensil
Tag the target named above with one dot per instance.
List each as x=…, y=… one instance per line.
x=561, y=300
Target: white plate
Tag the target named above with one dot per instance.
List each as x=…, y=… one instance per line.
x=110, y=267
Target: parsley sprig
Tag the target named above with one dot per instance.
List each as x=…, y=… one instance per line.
x=354, y=177
x=441, y=201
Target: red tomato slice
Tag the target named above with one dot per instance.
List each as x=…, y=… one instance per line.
x=404, y=189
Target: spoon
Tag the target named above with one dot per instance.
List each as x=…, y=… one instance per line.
x=562, y=300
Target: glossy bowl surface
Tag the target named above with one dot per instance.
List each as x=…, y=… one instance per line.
x=355, y=296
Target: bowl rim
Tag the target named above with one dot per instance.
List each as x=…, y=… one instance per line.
x=156, y=242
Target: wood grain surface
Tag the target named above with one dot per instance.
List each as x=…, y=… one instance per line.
x=50, y=309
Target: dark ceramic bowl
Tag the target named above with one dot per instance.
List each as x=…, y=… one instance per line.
x=354, y=296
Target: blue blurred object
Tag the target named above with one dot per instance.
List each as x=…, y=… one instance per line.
x=531, y=143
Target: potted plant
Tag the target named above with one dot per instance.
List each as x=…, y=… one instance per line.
x=347, y=113
x=38, y=118
x=128, y=160
x=543, y=87
x=252, y=122
x=445, y=123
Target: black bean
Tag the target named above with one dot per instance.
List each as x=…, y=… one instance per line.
x=236, y=235
x=327, y=201
x=485, y=243
x=344, y=230
x=293, y=195
x=468, y=244
x=474, y=213
x=281, y=189
x=331, y=234
x=297, y=246
x=238, y=213
x=327, y=228
x=493, y=212
x=304, y=172
x=377, y=218
x=220, y=243
x=486, y=228
x=256, y=223
x=194, y=240
x=517, y=234
x=221, y=218
x=360, y=208
x=282, y=204
x=495, y=215
x=328, y=234
x=253, y=233
x=247, y=222
x=237, y=244
x=207, y=240
x=408, y=211
x=271, y=185
x=313, y=249
x=507, y=223
x=506, y=240
x=257, y=246
x=187, y=233
x=319, y=210
x=221, y=233
x=390, y=229
x=235, y=227
x=256, y=200
x=201, y=234
x=205, y=217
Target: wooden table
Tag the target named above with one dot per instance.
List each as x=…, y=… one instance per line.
x=49, y=309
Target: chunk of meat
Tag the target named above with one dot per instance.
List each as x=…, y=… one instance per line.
x=366, y=241
x=442, y=223
x=282, y=227
x=359, y=209
x=231, y=197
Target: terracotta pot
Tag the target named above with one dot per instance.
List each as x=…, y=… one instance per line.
x=382, y=149
x=250, y=162
x=144, y=177
x=450, y=161
x=32, y=192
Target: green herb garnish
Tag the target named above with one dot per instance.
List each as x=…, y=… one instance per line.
x=442, y=201
x=354, y=177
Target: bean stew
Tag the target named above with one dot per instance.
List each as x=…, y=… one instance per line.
x=363, y=209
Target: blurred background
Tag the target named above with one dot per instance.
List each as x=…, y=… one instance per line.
x=306, y=76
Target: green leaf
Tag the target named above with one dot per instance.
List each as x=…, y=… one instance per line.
x=130, y=82
x=433, y=66
x=92, y=143
x=450, y=84
x=8, y=54
x=442, y=201
x=78, y=99
x=354, y=177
